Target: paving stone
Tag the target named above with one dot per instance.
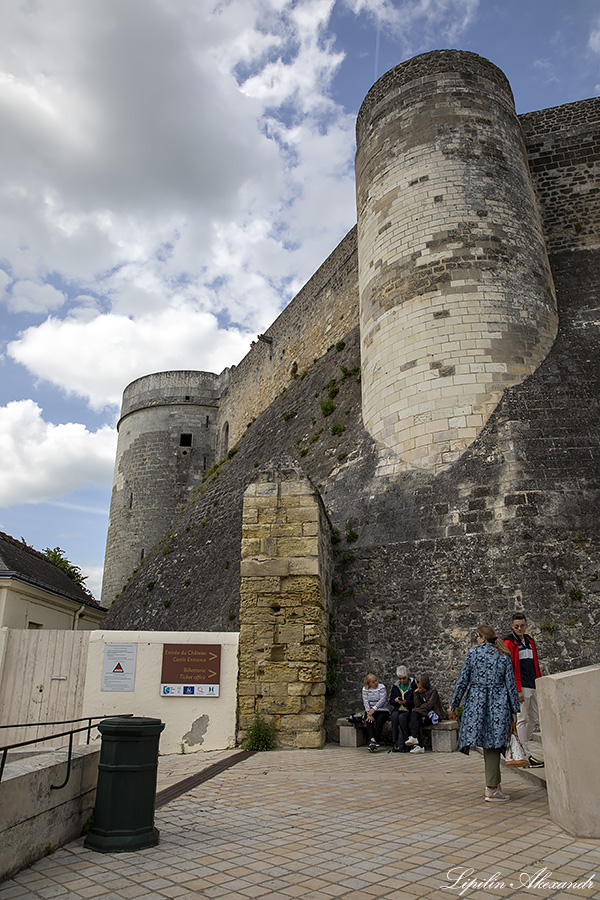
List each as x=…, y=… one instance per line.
x=247, y=848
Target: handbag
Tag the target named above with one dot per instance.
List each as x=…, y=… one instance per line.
x=515, y=752
x=358, y=721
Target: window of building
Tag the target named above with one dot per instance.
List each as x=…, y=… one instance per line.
x=185, y=440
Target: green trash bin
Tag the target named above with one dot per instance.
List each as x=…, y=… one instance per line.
x=124, y=811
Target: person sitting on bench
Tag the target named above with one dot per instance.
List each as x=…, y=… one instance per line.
x=401, y=702
x=427, y=709
x=374, y=696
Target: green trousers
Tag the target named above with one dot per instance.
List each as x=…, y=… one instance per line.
x=491, y=759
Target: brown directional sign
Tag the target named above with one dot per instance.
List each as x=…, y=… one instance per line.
x=191, y=664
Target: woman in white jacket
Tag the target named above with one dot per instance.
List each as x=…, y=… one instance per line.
x=377, y=711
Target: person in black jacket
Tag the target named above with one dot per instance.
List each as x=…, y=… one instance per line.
x=427, y=708
x=401, y=704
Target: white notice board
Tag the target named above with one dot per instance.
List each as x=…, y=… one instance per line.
x=118, y=668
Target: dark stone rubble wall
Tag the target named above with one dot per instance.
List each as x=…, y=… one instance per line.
x=423, y=559
x=513, y=524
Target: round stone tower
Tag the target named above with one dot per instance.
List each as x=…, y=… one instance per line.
x=456, y=297
x=167, y=434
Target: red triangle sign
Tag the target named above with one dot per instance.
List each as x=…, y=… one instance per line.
x=118, y=668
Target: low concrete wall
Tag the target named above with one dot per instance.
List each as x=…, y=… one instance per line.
x=35, y=819
x=568, y=704
x=191, y=723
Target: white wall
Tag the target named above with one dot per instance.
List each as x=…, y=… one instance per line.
x=197, y=723
x=568, y=703
x=24, y=605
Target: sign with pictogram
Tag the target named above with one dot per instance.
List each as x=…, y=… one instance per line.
x=191, y=670
x=118, y=668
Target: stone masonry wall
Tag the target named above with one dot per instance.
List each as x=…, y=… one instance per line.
x=562, y=152
x=564, y=157
x=420, y=558
x=456, y=296
x=511, y=525
x=156, y=467
x=285, y=577
x=321, y=314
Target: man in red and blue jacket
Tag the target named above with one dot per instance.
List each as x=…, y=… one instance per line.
x=526, y=669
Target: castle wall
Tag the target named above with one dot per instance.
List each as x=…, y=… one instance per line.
x=167, y=435
x=319, y=315
x=562, y=153
x=456, y=296
x=423, y=556
x=564, y=158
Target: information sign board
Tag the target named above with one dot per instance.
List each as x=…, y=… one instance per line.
x=118, y=668
x=191, y=670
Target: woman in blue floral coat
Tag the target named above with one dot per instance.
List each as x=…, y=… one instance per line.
x=490, y=704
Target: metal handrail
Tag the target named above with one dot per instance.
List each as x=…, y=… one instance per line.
x=61, y=722
x=38, y=740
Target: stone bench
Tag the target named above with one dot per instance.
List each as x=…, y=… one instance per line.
x=444, y=735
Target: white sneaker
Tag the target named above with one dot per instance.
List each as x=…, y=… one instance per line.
x=418, y=749
x=411, y=741
x=496, y=796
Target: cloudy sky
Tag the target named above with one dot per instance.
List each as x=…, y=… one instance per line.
x=171, y=173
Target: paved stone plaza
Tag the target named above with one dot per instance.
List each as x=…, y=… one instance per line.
x=335, y=823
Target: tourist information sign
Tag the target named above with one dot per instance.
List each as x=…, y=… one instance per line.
x=191, y=670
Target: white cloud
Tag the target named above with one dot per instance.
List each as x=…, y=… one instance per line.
x=418, y=23
x=27, y=296
x=146, y=166
x=5, y=280
x=167, y=165
x=313, y=66
x=594, y=39
x=96, y=358
x=546, y=69
x=41, y=460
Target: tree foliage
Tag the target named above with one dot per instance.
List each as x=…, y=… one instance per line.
x=74, y=572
